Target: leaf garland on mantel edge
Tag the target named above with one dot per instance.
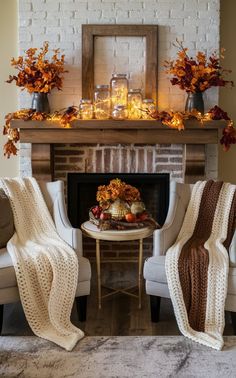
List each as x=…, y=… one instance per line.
x=174, y=120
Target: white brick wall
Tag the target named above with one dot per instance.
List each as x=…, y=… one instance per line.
x=108, y=59
x=196, y=22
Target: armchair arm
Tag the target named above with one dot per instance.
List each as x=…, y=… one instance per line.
x=232, y=251
x=72, y=236
x=166, y=236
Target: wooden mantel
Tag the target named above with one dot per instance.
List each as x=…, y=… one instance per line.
x=110, y=131
x=44, y=134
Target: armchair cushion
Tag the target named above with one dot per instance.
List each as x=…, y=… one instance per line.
x=8, y=277
x=154, y=271
x=7, y=272
x=6, y=220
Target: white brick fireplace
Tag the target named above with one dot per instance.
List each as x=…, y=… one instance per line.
x=195, y=22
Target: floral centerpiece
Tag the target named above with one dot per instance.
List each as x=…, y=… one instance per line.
x=120, y=206
x=107, y=194
x=38, y=74
x=195, y=75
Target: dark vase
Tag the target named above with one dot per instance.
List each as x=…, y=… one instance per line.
x=40, y=102
x=194, y=101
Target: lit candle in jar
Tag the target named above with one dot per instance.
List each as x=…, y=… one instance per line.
x=102, y=102
x=134, y=104
x=100, y=113
x=86, y=109
x=148, y=107
x=119, y=112
x=119, y=90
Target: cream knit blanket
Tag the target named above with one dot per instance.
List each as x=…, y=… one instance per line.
x=46, y=267
x=217, y=273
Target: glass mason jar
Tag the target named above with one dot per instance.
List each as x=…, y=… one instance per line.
x=86, y=109
x=102, y=102
x=119, y=112
x=134, y=104
x=148, y=105
x=119, y=90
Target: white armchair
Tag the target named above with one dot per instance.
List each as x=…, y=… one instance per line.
x=154, y=267
x=53, y=193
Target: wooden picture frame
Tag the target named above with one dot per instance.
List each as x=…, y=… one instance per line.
x=89, y=32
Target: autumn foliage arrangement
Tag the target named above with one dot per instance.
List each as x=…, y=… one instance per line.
x=36, y=72
x=107, y=194
x=196, y=74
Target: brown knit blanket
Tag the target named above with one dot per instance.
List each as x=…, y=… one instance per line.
x=192, y=254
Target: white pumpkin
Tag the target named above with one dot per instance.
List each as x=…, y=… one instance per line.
x=137, y=207
x=118, y=209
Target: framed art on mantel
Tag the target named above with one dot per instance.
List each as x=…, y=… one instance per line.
x=90, y=32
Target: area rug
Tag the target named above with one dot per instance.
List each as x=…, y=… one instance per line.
x=106, y=357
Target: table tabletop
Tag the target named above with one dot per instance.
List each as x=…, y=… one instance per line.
x=92, y=231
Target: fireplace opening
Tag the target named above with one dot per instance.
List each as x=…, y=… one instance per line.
x=82, y=188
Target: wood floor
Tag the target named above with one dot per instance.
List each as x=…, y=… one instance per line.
x=119, y=315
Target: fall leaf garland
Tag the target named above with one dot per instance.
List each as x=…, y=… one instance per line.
x=13, y=134
x=64, y=116
x=174, y=120
x=228, y=136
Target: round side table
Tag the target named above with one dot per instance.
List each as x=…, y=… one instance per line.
x=92, y=231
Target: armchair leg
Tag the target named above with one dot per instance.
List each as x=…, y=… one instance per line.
x=81, y=304
x=155, y=303
x=233, y=318
x=1, y=317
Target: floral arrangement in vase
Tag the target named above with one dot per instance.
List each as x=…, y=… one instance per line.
x=119, y=205
x=195, y=75
x=38, y=74
x=107, y=194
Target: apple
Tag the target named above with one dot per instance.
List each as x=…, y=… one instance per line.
x=105, y=216
x=130, y=218
x=96, y=210
x=143, y=216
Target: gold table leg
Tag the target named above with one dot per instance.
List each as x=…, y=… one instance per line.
x=98, y=259
x=140, y=277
